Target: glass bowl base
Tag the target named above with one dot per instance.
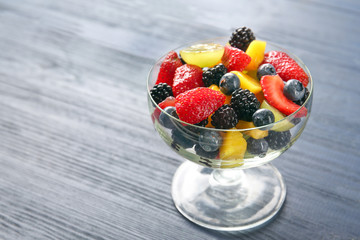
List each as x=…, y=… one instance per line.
x=229, y=199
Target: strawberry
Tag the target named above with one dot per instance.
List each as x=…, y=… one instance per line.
x=169, y=101
x=187, y=77
x=286, y=67
x=273, y=86
x=167, y=68
x=235, y=59
x=197, y=104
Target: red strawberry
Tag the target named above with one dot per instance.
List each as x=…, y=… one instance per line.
x=155, y=115
x=167, y=68
x=286, y=67
x=169, y=101
x=197, y=104
x=273, y=86
x=187, y=77
x=235, y=59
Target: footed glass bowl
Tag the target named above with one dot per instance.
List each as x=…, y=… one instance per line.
x=231, y=188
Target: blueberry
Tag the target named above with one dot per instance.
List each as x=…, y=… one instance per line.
x=165, y=120
x=202, y=153
x=210, y=141
x=263, y=117
x=257, y=146
x=229, y=82
x=265, y=69
x=181, y=138
x=294, y=90
x=295, y=121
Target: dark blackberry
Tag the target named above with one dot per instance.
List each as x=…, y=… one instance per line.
x=302, y=101
x=278, y=140
x=202, y=153
x=241, y=38
x=203, y=123
x=160, y=92
x=257, y=146
x=213, y=75
x=224, y=118
x=244, y=103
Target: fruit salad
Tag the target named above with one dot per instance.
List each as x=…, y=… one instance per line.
x=226, y=105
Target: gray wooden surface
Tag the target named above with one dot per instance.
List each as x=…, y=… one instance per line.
x=79, y=157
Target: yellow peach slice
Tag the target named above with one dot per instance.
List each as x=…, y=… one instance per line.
x=247, y=82
x=256, y=51
x=232, y=150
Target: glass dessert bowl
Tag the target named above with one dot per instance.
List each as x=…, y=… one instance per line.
x=228, y=182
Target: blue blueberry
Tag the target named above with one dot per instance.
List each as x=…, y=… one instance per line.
x=265, y=69
x=181, y=138
x=257, y=146
x=294, y=90
x=165, y=120
x=263, y=117
x=205, y=155
x=229, y=82
x=210, y=141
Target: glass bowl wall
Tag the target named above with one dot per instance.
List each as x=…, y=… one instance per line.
x=184, y=138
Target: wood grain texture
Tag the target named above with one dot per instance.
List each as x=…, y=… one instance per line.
x=78, y=153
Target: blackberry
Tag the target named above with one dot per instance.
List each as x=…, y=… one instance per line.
x=213, y=75
x=160, y=92
x=224, y=118
x=203, y=123
x=278, y=140
x=244, y=103
x=241, y=38
x=302, y=101
x=257, y=146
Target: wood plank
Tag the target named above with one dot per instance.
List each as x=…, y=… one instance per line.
x=79, y=156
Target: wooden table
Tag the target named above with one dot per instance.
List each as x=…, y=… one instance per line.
x=79, y=156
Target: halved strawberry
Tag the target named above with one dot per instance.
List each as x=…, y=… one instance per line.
x=235, y=59
x=286, y=67
x=169, y=101
x=273, y=92
x=167, y=68
x=197, y=104
x=187, y=77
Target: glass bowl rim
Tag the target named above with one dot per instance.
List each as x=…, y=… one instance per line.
x=262, y=128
